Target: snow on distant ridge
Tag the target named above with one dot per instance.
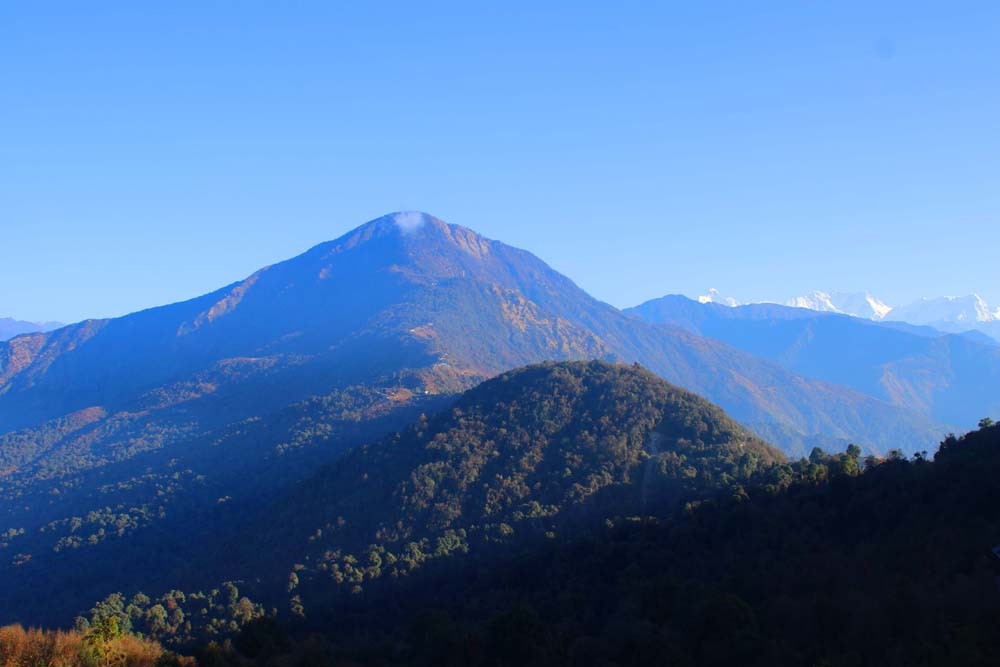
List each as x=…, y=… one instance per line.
x=951, y=314
x=815, y=300
x=713, y=296
x=965, y=310
x=955, y=311
x=856, y=304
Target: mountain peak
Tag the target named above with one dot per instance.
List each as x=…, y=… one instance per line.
x=714, y=296
x=414, y=232
x=406, y=222
x=856, y=304
x=409, y=221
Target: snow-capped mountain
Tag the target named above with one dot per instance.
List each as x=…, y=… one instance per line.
x=713, y=296
x=857, y=304
x=958, y=310
x=950, y=314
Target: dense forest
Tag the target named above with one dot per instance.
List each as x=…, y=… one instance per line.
x=537, y=454
x=829, y=566
x=534, y=453
x=71, y=521
x=830, y=561
x=592, y=514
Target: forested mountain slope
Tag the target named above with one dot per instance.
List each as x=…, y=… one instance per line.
x=830, y=561
x=540, y=454
x=531, y=452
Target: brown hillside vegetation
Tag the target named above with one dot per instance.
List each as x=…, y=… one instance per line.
x=35, y=648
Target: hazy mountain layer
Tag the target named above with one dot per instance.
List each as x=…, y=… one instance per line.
x=951, y=314
x=10, y=327
x=949, y=378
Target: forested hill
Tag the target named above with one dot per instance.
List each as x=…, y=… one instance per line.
x=817, y=562
x=532, y=452
x=538, y=455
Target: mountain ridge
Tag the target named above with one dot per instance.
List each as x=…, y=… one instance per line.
x=418, y=278
x=950, y=314
x=11, y=327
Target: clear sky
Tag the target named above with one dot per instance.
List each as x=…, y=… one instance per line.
x=151, y=152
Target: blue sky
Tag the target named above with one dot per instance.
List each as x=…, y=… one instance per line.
x=150, y=154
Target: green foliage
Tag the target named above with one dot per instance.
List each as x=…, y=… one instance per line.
x=83, y=515
x=175, y=618
x=537, y=451
x=814, y=563
x=536, y=454
x=101, y=637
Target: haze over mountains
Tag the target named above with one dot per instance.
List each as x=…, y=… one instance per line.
x=9, y=327
x=950, y=378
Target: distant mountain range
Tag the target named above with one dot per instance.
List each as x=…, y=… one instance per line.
x=951, y=314
x=410, y=302
x=950, y=378
x=857, y=304
x=10, y=327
